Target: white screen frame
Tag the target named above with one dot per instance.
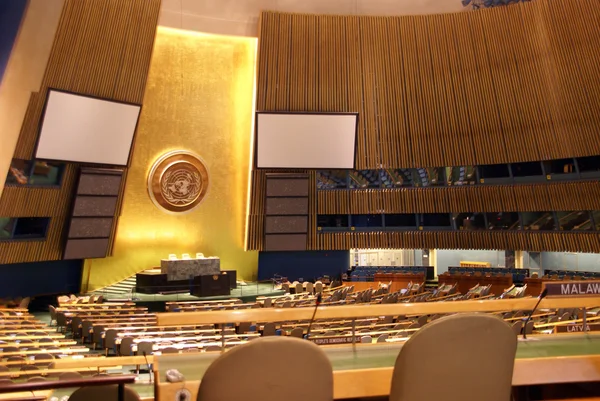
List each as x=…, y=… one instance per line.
x=300, y=113
x=133, y=108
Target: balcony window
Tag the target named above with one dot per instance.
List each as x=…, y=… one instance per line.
x=539, y=221
x=332, y=179
x=39, y=173
x=574, y=221
x=23, y=228
x=503, y=221
x=527, y=171
x=428, y=177
x=494, y=173
x=559, y=167
x=461, y=175
x=332, y=220
x=404, y=221
x=590, y=163
x=469, y=221
x=440, y=221
x=367, y=220
x=396, y=178
x=364, y=179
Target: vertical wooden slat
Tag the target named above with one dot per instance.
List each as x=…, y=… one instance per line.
x=100, y=49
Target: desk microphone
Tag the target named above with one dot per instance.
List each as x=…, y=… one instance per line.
x=148, y=365
x=312, y=319
x=542, y=296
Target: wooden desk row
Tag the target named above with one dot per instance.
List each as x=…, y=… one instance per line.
x=466, y=282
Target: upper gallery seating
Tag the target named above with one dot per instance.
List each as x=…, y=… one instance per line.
x=571, y=275
x=367, y=273
x=518, y=275
x=465, y=281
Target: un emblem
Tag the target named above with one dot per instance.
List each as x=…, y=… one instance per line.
x=178, y=181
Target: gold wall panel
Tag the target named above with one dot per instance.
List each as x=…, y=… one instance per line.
x=101, y=48
x=199, y=98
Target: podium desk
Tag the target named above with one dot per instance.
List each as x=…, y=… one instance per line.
x=184, y=269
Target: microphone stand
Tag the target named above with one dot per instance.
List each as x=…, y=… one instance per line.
x=150, y=370
x=312, y=319
x=542, y=296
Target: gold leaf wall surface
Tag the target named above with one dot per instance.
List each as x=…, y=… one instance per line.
x=501, y=85
x=199, y=98
x=103, y=49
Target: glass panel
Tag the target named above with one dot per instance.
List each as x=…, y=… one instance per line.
x=461, y=175
x=588, y=164
x=46, y=173
x=503, y=221
x=538, y=221
x=332, y=220
x=30, y=227
x=367, y=220
x=469, y=221
x=396, y=178
x=428, y=177
x=561, y=166
x=401, y=220
x=6, y=227
x=364, y=179
x=435, y=220
x=596, y=217
x=331, y=179
x=18, y=173
x=574, y=221
x=25, y=172
x=494, y=171
x=526, y=169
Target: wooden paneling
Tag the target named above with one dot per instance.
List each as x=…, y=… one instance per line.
x=480, y=198
x=536, y=242
x=500, y=85
x=103, y=49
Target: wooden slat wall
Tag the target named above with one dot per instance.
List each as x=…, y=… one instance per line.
x=492, y=198
x=535, y=242
x=499, y=85
x=103, y=49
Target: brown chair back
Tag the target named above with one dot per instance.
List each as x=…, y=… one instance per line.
x=478, y=351
x=310, y=377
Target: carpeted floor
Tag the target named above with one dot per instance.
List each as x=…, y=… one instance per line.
x=247, y=293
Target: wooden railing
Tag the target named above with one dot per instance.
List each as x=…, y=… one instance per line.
x=361, y=311
x=120, y=381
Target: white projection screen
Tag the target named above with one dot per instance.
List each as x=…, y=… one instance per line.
x=306, y=140
x=77, y=128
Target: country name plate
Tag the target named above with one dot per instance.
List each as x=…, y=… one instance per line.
x=333, y=340
x=572, y=288
x=577, y=328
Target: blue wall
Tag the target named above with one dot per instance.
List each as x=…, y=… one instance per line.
x=11, y=13
x=447, y=258
x=42, y=278
x=307, y=265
